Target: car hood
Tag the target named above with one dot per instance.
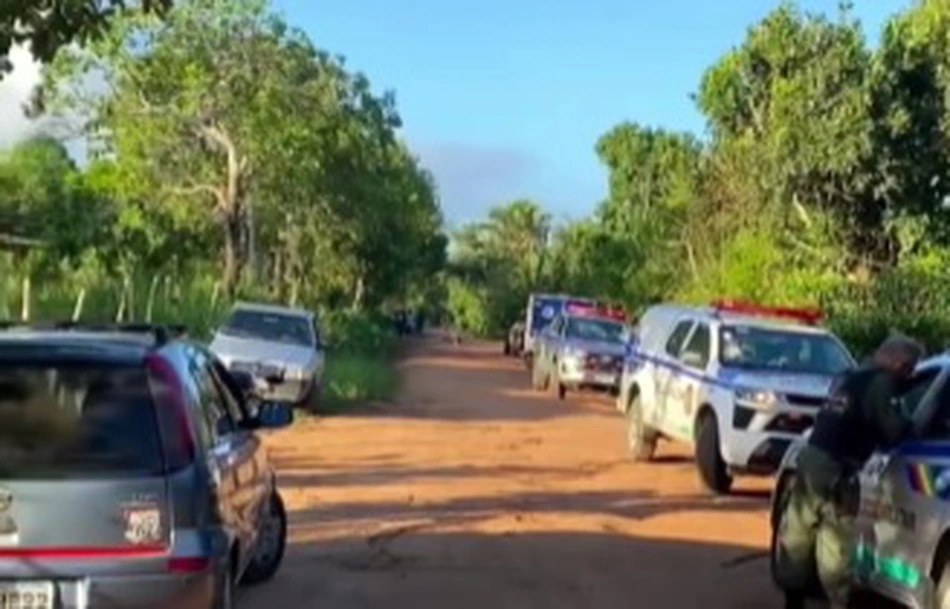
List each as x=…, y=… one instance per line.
x=813, y=385
x=595, y=346
x=230, y=348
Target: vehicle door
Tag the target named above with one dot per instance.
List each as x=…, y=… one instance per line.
x=254, y=472
x=904, y=495
x=664, y=370
x=232, y=452
x=686, y=382
x=547, y=344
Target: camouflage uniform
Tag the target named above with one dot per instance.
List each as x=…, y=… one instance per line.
x=815, y=533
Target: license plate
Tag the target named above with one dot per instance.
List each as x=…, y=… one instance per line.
x=26, y=595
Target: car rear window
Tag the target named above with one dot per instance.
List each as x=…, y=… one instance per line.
x=65, y=419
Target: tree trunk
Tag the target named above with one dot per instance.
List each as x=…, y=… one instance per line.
x=232, y=257
x=359, y=294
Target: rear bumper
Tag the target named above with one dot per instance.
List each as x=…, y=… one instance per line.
x=136, y=592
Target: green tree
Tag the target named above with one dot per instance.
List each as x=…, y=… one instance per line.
x=48, y=25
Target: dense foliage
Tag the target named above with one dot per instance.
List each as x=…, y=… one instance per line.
x=824, y=181
x=48, y=25
x=229, y=158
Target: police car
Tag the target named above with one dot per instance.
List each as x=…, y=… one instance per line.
x=542, y=310
x=902, y=531
x=583, y=348
x=737, y=381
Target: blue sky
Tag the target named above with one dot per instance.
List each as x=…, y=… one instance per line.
x=506, y=98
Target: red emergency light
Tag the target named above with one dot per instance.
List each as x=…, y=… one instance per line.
x=586, y=309
x=809, y=316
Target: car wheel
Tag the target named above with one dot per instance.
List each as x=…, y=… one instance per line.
x=641, y=440
x=942, y=594
x=712, y=469
x=271, y=543
x=561, y=389
x=783, y=494
x=507, y=348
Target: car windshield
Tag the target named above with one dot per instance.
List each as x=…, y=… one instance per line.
x=276, y=327
x=594, y=329
x=75, y=420
x=782, y=351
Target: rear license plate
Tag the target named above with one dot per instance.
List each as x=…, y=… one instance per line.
x=26, y=595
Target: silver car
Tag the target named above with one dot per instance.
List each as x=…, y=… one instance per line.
x=579, y=350
x=280, y=347
x=902, y=531
x=131, y=474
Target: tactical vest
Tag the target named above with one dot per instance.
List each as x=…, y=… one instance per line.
x=842, y=428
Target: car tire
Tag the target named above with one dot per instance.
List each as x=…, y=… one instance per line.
x=641, y=439
x=783, y=493
x=267, y=558
x=561, y=390
x=942, y=591
x=507, y=348
x=713, y=472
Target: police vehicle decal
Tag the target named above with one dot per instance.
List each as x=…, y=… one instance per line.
x=925, y=450
x=929, y=480
x=867, y=562
x=683, y=370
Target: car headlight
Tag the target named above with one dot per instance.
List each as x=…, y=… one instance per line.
x=574, y=353
x=757, y=398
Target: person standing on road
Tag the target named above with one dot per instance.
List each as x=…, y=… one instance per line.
x=862, y=415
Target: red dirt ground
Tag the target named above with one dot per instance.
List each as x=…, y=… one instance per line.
x=472, y=491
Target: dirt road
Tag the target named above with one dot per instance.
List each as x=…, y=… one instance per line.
x=474, y=491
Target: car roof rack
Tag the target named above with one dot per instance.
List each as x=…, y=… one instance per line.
x=162, y=333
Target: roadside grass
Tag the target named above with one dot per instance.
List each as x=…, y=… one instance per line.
x=357, y=379
x=361, y=346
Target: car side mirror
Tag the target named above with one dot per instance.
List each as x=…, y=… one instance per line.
x=274, y=415
x=244, y=381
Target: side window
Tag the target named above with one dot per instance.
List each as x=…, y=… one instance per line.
x=675, y=342
x=233, y=402
x=696, y=353
x=211, y=404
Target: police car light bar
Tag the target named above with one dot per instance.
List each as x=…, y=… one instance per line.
x=804, y=315
x=586, y=309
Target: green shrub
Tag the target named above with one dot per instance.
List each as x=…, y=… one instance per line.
x=354, y=379
x=358, y=333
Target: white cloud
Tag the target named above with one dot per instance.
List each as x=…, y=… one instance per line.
x=15, y=90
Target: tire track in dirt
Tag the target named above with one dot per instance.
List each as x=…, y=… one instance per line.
x=472, y=491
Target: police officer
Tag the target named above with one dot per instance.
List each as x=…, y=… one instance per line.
x=862, y=415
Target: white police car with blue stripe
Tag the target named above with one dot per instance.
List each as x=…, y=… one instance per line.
x=737, y=381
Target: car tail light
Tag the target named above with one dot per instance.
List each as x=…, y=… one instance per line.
x=172, y=410
x=186, y=565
